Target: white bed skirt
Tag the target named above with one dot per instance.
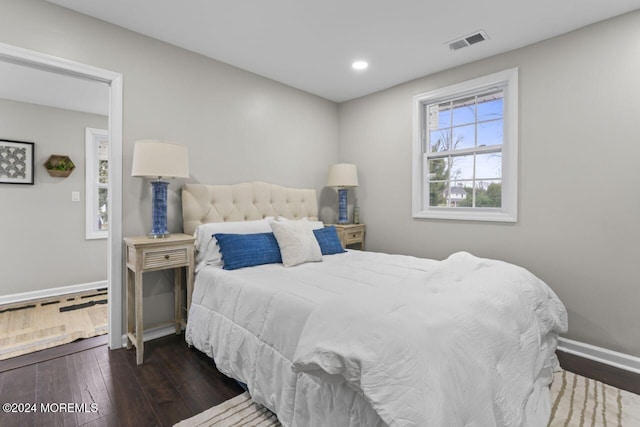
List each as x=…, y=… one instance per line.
x=297, y=399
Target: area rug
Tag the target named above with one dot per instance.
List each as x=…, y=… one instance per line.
x=33, y=326
x=577, y=402
x=240, y=411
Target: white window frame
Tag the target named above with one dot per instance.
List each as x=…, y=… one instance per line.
x=92, y=139
x=508, y=212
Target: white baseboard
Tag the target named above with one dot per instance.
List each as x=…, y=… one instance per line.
x=153, y=333
x=52, y=292
x=599, y=354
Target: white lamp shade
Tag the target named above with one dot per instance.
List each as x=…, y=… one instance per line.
x=155, y=159
x=343, y=175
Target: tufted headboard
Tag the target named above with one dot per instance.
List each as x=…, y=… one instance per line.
x=203, y=203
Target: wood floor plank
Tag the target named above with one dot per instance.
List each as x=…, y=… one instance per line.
x=165, y=399
x=200, y=384
x=128, y=398
x=226, y=387
x=110, y=420
x=182, y=366
x=607, y=374
x=52, y=353
x=88, y=386
x=179, y=370
x=53, y=388
x=201, y=394
x=18, y=386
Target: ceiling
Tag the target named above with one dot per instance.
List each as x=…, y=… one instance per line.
x=37, y=86
x=310, y=45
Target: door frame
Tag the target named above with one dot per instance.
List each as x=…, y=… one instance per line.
x=46, y=62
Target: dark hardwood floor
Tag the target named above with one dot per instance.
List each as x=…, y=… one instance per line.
x=174, y=383
x=613, y=376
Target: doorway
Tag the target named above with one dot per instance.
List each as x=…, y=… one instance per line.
x=38, y=61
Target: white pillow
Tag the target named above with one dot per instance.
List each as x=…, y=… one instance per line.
x=315, y=225
x=207, y=250
x=296, y=241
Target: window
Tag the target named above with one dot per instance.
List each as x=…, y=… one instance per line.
x=97, y=183
x=465, y=150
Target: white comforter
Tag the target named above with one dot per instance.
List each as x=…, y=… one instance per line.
x=368, y=339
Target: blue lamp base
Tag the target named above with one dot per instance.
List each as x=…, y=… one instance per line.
x=342, y=206
x=159, y=199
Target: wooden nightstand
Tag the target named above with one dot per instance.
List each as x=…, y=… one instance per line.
x=145, y=254
x=351, y=234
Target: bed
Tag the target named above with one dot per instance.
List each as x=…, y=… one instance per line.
x=362, y=338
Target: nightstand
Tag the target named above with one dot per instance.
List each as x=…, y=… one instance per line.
x=145, y=254
x=351, y=234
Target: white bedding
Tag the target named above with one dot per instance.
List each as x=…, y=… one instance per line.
x=415, y=342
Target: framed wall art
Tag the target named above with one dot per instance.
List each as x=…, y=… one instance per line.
x=16, y=162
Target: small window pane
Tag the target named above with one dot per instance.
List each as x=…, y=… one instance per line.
x=460, y=194
x=439, y=169
x=444, y=115
x=103, y=171
x=464, y=137
x=462, y=167
x=103, y=218
x=103, y=150
x=464, y=111
x=490, y=107
x=438, y=193
x=489, y=166
x=488, y=194
x=490, y=133
x=440, y=140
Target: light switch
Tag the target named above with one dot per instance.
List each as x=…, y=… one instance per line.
x=75, y=196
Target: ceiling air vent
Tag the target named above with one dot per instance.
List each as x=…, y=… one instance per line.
x=468, y=40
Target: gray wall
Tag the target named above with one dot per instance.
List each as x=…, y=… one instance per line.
x=238, y=126
x=578, y=175
x=43, y=231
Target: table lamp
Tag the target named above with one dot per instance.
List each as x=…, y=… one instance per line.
x=158, y=160
x=342, y=176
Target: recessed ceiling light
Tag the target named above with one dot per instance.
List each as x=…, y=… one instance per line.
x=360, y=65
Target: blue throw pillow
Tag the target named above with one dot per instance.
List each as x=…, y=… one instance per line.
x=328, y=240
x=246, y=250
